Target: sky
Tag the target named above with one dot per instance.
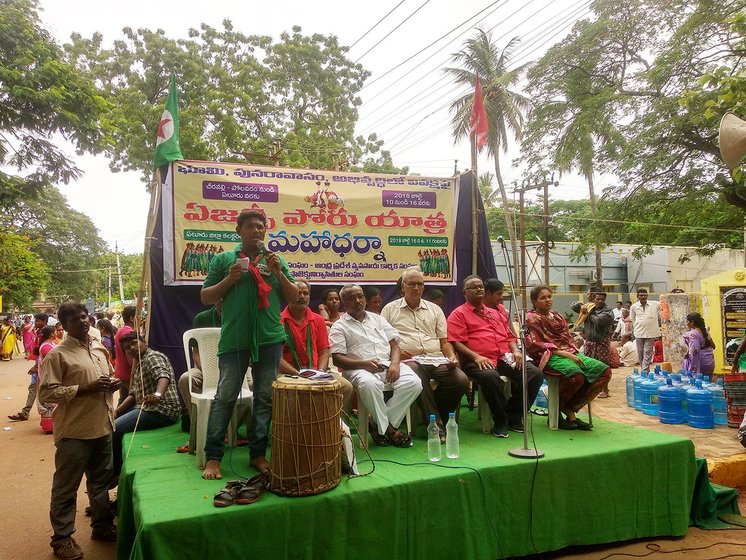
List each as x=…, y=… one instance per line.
x=404, y=101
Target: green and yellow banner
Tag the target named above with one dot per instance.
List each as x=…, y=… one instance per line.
x=330, y=226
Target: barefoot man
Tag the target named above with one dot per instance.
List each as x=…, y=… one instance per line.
x=250, y=281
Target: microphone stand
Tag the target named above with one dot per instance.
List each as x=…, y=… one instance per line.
x=520, y=452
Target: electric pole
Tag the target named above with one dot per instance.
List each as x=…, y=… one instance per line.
x=521, y=201
x=119, y=273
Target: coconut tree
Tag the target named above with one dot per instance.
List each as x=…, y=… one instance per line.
x=480, y=56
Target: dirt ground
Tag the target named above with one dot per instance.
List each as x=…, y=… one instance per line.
x=28, y=463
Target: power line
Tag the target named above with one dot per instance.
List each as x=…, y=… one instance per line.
x=425, y=3
x=376, y=24
x=568, y=20
x=436, y=41
x=439, y=65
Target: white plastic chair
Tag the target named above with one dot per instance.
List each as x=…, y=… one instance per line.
x=553, y=398
x=207, y=342
x=484, y=414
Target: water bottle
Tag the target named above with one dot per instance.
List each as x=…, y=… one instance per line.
x=433, y=440
x=630, y=384
x=719, y=404
x=699, y=403
x=638, y=395
x=452, y=451
x=541, y=397
x=671, y=403
x=649, y=396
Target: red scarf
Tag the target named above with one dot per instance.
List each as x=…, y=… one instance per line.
x=262, y=287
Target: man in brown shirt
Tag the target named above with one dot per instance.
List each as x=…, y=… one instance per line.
x=76, y=374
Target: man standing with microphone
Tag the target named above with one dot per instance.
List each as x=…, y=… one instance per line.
x=251, y=283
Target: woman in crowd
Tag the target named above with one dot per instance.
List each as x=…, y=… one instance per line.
x=27, y=332
x=7, y=339
x=59, y=332
x=373, y=299
x=48, y=341
x=108, y=331
x=700, y=357
x=329, y=306
x=551, y=346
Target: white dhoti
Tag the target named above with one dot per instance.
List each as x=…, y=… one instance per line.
x=370, y=388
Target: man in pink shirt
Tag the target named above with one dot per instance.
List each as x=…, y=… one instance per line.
x=122, y=368
x=482, y=337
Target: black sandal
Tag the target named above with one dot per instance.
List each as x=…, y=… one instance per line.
x=227, y=496
x=400, y=439
x=253, y=489
x=379, y=439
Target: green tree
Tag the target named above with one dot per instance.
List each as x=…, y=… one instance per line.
x=41, y=95
x=504, y=107
x=23, y=275
x=243, y=98
x=65, y=239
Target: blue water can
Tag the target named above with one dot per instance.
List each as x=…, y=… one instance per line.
x=649, y=396
x=700, y=407
x=671, y=407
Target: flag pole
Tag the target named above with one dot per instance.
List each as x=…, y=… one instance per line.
x=474, y=203
x=145, y=279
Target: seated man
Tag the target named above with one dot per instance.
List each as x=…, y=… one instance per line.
x=422, y=328
x=365, y=347
x=482, y=337
x=153, y=391
x=307, y=342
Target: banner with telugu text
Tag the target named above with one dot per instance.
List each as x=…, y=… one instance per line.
x=330, y=226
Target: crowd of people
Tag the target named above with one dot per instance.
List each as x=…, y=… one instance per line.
x=390, y=355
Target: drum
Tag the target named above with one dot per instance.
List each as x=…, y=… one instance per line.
x=306, y=436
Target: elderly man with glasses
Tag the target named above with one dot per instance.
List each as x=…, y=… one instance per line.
x=484, y=341
x=425, y=347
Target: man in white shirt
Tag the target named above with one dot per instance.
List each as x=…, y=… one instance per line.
x=366, y=348
x=645, y=327
x=422, y=327
x=617, y=312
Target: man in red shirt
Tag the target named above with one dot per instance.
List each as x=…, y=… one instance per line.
x=307, y=341
x=482, y=337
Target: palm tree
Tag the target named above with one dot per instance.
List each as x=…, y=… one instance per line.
x=488, y=192
x=504, y=107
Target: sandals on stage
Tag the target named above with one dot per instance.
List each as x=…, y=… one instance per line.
x=227, y=496
x=399, y=439
x=253, y=489
x=379, y=439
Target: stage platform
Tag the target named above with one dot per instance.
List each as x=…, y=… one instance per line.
x=614, y=483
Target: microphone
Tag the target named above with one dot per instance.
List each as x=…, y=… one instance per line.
x=501, y=240
x=260, y=246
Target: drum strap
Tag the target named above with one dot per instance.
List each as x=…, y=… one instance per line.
x=291, y=345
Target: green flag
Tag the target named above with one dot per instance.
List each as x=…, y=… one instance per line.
x=167, y=142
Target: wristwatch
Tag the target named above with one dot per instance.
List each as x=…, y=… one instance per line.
x=157, y=394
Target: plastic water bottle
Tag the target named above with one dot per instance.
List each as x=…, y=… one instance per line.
x=719, y=404
x=541, y=400
x=433, y=440
x=638, y=395
x=671, y=403
x=649, y=395
x=630, y=383
x=452, y=451
x=699, y=402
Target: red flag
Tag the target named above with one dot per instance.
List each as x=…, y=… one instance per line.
x=478, y=119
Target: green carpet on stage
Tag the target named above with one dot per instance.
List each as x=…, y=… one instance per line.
x=615, y=483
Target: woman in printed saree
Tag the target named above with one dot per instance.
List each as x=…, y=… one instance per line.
x=553, y=349
x=700, y=357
